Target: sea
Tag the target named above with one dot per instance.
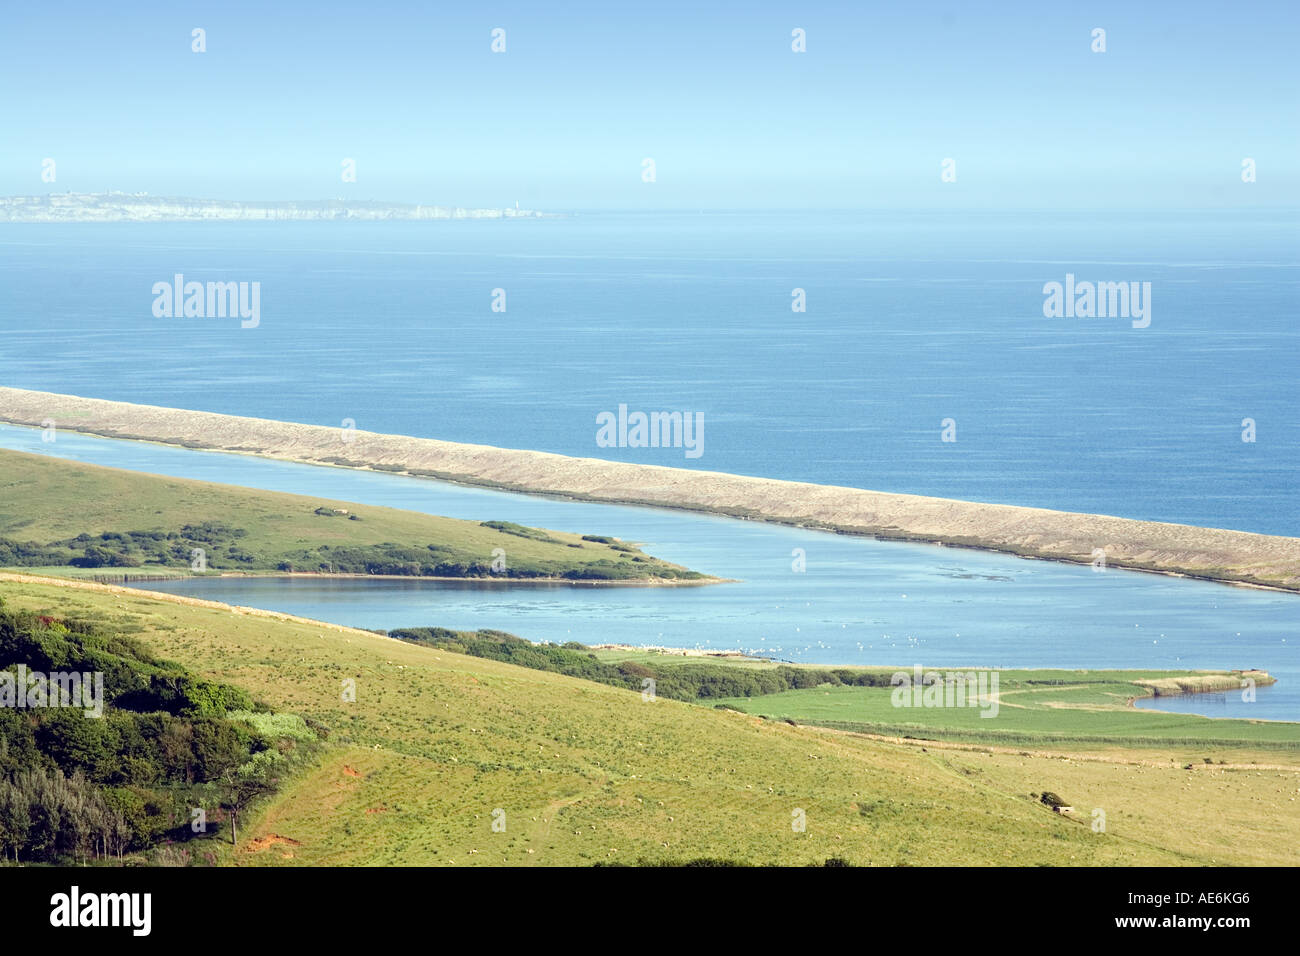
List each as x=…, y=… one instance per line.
x=903, y=353
x=519, y=333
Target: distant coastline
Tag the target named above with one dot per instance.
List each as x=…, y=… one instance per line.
x=141, y=207
x=1231, y=557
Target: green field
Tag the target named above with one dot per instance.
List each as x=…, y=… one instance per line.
x=436, y=742
x=1034, y=707
x=72, y=518
x=1038, y=707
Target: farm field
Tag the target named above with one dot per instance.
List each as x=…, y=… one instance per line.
x=1039, y=707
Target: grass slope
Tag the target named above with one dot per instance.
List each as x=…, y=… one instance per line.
x=45, y=500
x=585, y=773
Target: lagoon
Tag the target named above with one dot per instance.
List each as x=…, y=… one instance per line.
x=857, y=601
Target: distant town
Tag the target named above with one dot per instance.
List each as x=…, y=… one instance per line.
x=141, y=207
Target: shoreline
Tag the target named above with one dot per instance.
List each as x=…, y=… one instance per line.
x=1211, y=684
x=126, y=580
x=503, y=581
x=1224, y=556
x=508, y=581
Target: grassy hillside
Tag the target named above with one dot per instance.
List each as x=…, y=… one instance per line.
x=435, y=742
x=56, y=513
x=105, y=749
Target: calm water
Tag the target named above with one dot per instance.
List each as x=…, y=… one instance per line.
x=859, y=602
x=909, y=321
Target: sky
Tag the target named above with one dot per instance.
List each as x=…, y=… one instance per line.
x=1013, y=93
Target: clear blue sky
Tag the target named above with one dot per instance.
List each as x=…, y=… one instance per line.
x=732, y=117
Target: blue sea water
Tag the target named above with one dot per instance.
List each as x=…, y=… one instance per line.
x=910, y=320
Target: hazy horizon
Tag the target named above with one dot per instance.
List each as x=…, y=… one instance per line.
x=936, y=211
x=1031, y=116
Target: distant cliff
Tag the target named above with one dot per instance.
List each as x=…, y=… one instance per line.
x=141, y=207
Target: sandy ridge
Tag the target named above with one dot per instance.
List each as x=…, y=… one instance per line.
x=1216, y=554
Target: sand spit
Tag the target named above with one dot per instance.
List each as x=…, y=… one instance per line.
x=1235, y=557
x=1204, y=683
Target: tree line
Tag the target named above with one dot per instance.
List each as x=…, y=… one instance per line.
x=79, y=787
x=678, y=681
